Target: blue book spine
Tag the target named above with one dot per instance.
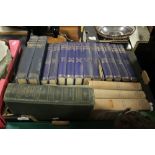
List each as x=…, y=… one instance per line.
x=120, y=65
x=70, y=63
x=78, y=64
x=62, y=67
x=113, y=67
x=46, y=68
x=104, y=63
x=53, y=75
x=126, y=61
x=87, y=63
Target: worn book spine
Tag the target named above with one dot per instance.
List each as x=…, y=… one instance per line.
x=111, y=85
x=62, y=68
x=25, y=63
x=95, y=61
x=126, y=61
x=70, y=64
x=87, y=63
x=46, y=67
x=107, y=73
x=37, y=63
x=120, y=65
x=112, y=62
x=78, y=64
x=118, y=94
x=53, y=75
x=122, y=104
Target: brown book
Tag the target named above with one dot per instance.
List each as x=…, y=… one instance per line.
x=121, y=104
x=115, y=85
x=118, y=94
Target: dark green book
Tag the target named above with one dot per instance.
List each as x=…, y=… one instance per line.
x=47, y=102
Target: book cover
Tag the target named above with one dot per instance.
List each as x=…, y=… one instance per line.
x=62, y=67
x=70, y=63
x=126, y=62
x=120, y=65
x=53, y=75
x=78, y=64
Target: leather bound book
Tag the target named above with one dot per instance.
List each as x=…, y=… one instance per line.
x=24, y=64
x=62, y=67
x=78, y=64
x=46, y=66
x=37, y=63
x=53, y=75
x=112, y=63
x=70, y=64
x=124, y=56
x=46, y=102
x=119, y=62
x=87, y=63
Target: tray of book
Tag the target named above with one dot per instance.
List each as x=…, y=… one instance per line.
x=74, y=80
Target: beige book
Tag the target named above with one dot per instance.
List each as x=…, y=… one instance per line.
x=115, y=85
x=118, y=94
x=121, y=104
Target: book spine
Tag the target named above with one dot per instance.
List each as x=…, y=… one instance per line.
x=107, y=73
x=118, y=94
x=53, y=75
x=78, y=64
x=46, y=67
x=24, y=64
x=87, y=63
x=112, y=63
x=62, y=68
x=115, y=85
x=37, y=63
x=121, y=104
x=70, y=64
x=120, y=65
x=126, y=61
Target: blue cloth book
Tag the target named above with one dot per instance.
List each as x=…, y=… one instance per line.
x=62, y=67
x=120, y=65
x=126, y=62
x=78, y=64
x=53, y=75
x=70, y=63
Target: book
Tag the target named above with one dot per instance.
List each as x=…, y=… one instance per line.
x=62, y=67
x=70, y=64
x=122, y=104
x=120, y=65
x=78, y=64
x=53, y=75
x=115, y=85
x=112, y=63
x=47, y=102
x=118, y=94
x=126, y=62
x=87, y=63
x=107, y=73
x=25, y=63
x=46, y=66
x=35, y=71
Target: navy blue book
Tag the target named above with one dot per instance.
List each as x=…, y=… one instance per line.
x=120, y=65
x=126, y=62
x=78, y=64
x=113, y=66
x=87, y=63
x=46, y=67
x=62, y=67
x=95, y=60
x=70, y=63
x=53, y=75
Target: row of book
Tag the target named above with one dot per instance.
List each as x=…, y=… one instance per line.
x=74, y=63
